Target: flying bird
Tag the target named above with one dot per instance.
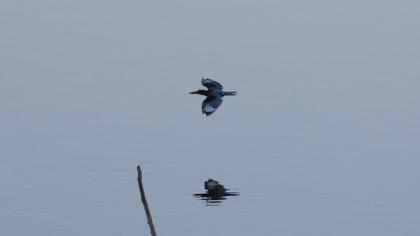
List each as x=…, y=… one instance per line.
x=214, y=94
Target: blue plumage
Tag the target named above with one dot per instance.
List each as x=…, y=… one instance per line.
x=214, y=94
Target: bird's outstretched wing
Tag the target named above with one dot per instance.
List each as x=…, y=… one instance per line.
x=211, y=84
x=211, y=104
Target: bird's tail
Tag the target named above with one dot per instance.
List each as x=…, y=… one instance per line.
x=230, y=93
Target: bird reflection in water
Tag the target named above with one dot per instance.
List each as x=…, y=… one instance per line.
x=216, y=193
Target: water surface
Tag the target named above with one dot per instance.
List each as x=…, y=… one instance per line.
x=322, y=139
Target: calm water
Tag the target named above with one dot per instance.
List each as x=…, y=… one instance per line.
x=322, y=139
x=319, y=192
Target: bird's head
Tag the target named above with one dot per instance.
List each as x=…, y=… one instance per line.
x=200, y=92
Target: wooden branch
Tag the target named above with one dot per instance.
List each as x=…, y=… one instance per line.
x=144, y=201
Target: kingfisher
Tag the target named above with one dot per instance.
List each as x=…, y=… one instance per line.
x=214, y=94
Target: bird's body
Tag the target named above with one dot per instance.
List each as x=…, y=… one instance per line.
x=214, y=94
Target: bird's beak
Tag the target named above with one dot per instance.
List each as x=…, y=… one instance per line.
x=194, y=92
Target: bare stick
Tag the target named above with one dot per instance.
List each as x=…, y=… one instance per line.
x=144, y=201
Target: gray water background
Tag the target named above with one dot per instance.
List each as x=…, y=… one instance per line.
x=323, y=138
